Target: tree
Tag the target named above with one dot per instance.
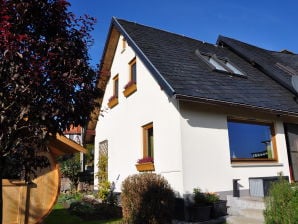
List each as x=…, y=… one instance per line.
x=71, y=168
x=46, y=81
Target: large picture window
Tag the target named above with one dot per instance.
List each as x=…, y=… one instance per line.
x=251, y=140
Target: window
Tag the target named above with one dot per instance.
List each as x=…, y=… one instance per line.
x=116, y=86
x=123, y=44
x=113, y=101
x=220, y=64
x=131, y=86
x=148, y=141
x=103, y=161
x=251, y=140
x=133, y=71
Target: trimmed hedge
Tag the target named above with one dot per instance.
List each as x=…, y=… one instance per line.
x=147, y=198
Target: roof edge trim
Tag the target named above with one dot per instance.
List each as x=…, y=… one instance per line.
x=161, y=80
x=220, y=102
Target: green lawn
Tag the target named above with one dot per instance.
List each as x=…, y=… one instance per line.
x=61, y=215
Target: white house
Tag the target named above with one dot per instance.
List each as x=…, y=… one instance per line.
x=200, y=114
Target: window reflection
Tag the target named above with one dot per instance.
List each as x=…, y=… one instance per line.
x=250, y=140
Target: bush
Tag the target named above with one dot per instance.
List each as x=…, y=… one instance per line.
x=68, y=198
x=281, y=203
x=94, y=211
x=106, y=193
x=147, y=199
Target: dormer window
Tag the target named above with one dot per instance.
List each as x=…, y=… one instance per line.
x=220, y=64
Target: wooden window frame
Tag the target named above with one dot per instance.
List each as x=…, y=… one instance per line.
x=273, y=141
x=113, y=101
x=145, y=140
x=123, y=44
x=131, y=86
x=146, y=164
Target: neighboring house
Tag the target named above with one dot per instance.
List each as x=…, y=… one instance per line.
x=76, y=134
x=201, y=114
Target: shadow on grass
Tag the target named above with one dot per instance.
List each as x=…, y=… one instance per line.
x=61, y=215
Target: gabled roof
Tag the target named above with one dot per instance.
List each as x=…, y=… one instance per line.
x=173, y=62
x=280, y=66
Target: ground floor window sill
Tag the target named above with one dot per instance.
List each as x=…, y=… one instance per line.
x=256, y=164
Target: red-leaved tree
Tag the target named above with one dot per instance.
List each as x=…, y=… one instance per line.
x=46, y=82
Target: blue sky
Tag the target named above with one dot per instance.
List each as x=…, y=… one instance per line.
x=270, y=24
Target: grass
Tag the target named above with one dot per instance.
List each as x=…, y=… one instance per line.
x=61, y=215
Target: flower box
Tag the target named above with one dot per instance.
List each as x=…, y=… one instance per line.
x=113, y=101
x=129, y=88
x=147, y=166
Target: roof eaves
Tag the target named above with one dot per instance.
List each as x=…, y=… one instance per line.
x=234, y=104
x=156, y=74
x=104, y=74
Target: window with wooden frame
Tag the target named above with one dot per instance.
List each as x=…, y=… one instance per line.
x=124, y=43
x=148, y=141
x=113, y=101
x=147, y=162
x=131, y=86
x=251, y=140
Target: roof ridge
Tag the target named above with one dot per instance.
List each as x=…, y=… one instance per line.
x=284, y=51
x=166, y=31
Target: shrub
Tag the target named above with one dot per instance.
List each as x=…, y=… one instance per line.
x=104, y=189
x=147, y=198
x=281, y=203
x=211, y=197
x=94, y=211
x=200, y=197
x=106, y=193
x=68, y=198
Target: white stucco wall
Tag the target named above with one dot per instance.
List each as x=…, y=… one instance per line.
x=191, y=148
x=122, y=125
x=206, y=154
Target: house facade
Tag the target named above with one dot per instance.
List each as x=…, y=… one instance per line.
x=201, y=115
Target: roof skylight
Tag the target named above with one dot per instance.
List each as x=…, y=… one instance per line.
x=221, y=64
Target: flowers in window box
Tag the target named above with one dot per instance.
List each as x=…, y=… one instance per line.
x=130, y=83
x=113, y=101
x=112, y=98
x=146, y=160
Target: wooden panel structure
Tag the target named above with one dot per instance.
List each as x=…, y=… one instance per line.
x=29, y=203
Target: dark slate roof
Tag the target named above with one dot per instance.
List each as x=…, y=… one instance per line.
x=173, y=62
x=279, y=66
